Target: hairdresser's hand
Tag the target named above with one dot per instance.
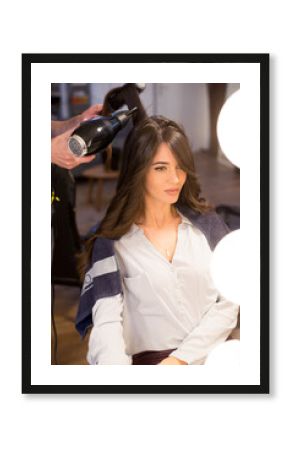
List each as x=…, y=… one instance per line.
x=62, y=130
x=62, y=156
x=61, y=126
x=171, y=360
x=92, y=111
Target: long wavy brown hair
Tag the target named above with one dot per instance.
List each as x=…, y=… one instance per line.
x=128, y=204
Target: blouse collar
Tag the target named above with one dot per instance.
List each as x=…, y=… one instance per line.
x=135, y=228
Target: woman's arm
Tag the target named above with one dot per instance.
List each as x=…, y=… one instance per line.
x=106, y=343
x=214, y=328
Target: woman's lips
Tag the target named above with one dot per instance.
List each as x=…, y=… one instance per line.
x=172, y=191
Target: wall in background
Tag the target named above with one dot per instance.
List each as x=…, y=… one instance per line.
x=186, y=103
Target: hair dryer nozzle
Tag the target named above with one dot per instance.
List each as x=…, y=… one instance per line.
x=94, y=135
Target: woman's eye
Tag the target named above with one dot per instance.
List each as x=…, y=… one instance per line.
x=161, y=168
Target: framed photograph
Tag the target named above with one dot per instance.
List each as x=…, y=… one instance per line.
x=198, y=271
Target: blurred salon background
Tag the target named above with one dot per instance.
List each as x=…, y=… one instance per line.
x=85, y=192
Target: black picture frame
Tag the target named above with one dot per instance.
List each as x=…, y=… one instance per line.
x=263, y=61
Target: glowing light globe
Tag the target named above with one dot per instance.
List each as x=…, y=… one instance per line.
x=225, y=355
x=227, y=267
x=230, y=128
x=141, y=86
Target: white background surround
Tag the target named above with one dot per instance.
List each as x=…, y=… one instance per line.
x=248, y=76
x=170, y=421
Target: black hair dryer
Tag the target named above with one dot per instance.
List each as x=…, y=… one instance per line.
x=94, y=135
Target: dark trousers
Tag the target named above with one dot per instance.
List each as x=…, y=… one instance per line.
x=151, y=357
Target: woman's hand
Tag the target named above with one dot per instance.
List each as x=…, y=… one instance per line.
x=171, y=360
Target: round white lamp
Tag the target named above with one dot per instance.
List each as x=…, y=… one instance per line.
x=227, y=267
x=230, y=129
x=225, y=355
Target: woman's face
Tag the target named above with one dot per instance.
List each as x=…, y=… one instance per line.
x=164, y=179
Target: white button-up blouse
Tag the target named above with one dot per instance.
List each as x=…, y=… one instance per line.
x=164, y=305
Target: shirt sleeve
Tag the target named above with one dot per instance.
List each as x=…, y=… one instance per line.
x=106, y=343
x=214, y=328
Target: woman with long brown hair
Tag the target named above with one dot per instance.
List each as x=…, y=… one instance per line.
x=147, y=289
